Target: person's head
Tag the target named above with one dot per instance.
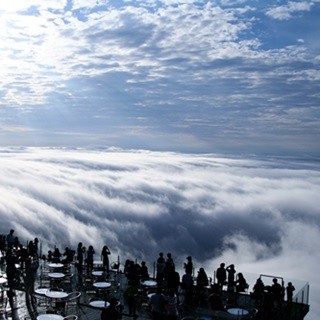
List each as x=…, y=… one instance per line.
x=275, y=280
x=11, y=231
x=189, y=258
x=222, y=265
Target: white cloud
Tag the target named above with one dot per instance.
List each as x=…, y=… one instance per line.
x=258, y=214
x=287, y=11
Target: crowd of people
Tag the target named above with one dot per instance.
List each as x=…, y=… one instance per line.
x=197, y=289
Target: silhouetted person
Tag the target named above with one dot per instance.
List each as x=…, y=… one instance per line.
x=173, y=281
x=231, y=273
x=161, y=264
x=187, y=285
x=10, y=239
x=68, y=255
x=11, y=270
x=110, y=313
x=158, y=303
x=258, y=289
x=130, y=296
x=90, y=254
x=188, y=267
x=221, y=275
x=241, y=283
x=105, y=258
x=276, y=290
x=215, y=299
x=172, y=305
x=202, y=282
x=144, y=271
x=56, y=256
x=290, y=288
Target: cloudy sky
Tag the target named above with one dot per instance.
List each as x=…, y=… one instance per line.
x=261, y=215
x=231, y=76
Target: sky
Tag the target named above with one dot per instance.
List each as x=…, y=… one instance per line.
x=224, y=76
x=261, y=214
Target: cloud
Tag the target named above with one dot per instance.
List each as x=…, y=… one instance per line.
x=258, y=214
x=287, y=11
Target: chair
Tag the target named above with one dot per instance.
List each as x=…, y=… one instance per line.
x=71, y=317
x=3, y=306
x=72, y=300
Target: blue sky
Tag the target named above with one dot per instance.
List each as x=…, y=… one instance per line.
x=191, y=76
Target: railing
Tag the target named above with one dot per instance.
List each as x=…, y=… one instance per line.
x=303, y=295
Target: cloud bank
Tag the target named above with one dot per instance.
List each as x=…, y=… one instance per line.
x=261, y=215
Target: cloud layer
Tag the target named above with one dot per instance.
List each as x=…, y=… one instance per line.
x=260, y=215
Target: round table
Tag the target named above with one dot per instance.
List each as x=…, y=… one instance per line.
x=149, y=283
x=56, y=294
x=102, y=285
x=238, y=312
x=49, y=316
x=41, y=291
x=55, y=265
x=56, y=275
x=97, y=273
x=97, y=263
x=100, y=304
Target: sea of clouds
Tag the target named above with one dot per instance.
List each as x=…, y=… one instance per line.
x=262, y=215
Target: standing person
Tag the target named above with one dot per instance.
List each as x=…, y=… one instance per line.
x=221, y=275
x=161, y=264
x=105, y=258
x=172, y=302
x=188, y=267
x=10, y=239
x=158, y=303
x=90, y=254
x=290, y=288
x=231, y=273
x=79, y=263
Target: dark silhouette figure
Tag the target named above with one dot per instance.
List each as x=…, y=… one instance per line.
x=105, y=258
x=56, y=256
x=231, y=273
x=110, y=313
x=10, y=239
x=187, y=286
x=172, y=302
x=158, y=304
x=144, y=273
x=215, y=298
x=290, y=288
x=90, y=254
x=241, y=283
x=11, y=270
x=188, y=266
x=173, y=281
x=161, y=264
x=221, y=275
x=258, y=289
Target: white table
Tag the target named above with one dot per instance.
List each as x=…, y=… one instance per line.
x=41, y=291
x=97, y=263
x=100, y=304
x=102, y=285
x=149, y=283
x=49, y=316
x=3, y=280
x=238, y=312
x=97, y=273
x=56, y=294
x=56, y=275
x=55, y=265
